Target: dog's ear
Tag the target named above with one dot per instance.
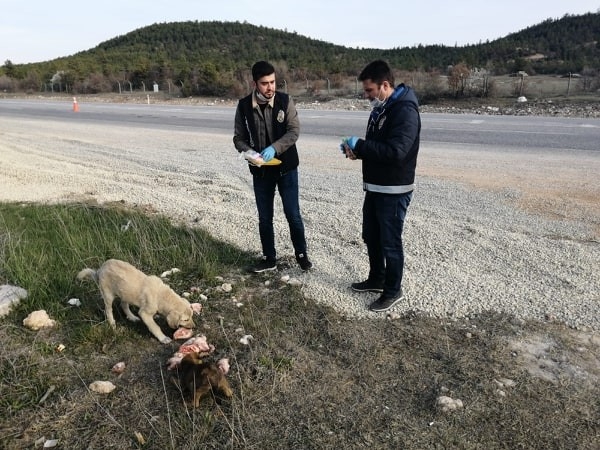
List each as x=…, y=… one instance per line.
x=173, y=319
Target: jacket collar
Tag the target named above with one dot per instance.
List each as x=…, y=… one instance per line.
x=271, y=102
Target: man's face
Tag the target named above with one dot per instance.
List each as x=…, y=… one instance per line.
x=266, y=85
x=373, y=90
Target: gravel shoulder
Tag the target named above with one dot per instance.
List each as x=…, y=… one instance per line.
x=472, y=243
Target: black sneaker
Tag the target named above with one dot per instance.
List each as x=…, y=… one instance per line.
x=367, y=286
x=384, y=302
x=303, y=261
x=265, y=264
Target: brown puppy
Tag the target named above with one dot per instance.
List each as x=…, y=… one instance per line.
x=200, y=378
x=120, y=279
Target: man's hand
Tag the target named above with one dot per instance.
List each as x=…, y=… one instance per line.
x=351, y=142
x=349, y=153
x=347, y=146
x=268, y=153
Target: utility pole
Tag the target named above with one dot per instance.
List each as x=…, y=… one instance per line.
x=521, y=88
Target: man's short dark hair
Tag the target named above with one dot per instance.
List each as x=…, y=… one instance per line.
x=377, y=71
x=261, y=69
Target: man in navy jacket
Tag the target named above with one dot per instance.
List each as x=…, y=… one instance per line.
x=389, y=158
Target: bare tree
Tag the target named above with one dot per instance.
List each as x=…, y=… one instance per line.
x=458, y=77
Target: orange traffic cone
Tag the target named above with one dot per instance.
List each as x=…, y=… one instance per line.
x=75, y=105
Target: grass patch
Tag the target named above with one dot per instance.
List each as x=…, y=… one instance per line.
x=309, y=379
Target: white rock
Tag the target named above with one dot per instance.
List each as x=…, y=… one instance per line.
x=74, y=302
x=167, y=273
x=102, y=387
x=37, y=320
x=448, y=404
x=245, y=340
x=505, y=382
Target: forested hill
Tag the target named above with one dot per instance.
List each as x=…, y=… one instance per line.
x=222, y=52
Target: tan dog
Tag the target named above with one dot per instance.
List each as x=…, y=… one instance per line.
x=120, y=279
x=199, y=378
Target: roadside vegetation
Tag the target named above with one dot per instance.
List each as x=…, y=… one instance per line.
x=196, y=58
x=308, y=379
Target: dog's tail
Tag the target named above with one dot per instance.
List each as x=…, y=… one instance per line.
x=88, y=273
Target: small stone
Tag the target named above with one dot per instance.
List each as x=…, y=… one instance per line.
x=118, y=368
x=245, y=340
x=294, y=282
x=102, y=387
x=38, y=319
x=447, y=404
x=74, y=302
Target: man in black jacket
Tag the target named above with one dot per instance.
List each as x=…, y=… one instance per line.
x=389, y=158
x=266, y=121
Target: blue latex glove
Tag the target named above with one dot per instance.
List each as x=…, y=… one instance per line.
x=268, y=153
x=351, y=142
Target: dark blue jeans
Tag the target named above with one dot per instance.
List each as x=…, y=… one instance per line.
x=383, y=221
x=264, y=193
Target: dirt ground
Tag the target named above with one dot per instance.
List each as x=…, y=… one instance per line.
x=315, y=379
x=555, y=188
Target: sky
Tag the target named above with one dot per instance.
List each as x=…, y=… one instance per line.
x=36, y=31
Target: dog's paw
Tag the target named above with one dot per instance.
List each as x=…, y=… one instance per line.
x=165, y=340
x=133, y=318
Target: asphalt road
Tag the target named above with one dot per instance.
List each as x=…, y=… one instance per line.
x=529, y=132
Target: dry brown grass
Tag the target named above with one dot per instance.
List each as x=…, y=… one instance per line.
x=310, y=379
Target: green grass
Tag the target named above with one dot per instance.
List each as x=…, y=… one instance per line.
x=45, y=246
x=310, y=379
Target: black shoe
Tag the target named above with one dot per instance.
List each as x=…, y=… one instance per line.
x=367, y=286
x=303, y=261
x=384, y=302
x=264, y=264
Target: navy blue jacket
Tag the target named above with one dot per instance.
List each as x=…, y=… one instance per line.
x=390, y=148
